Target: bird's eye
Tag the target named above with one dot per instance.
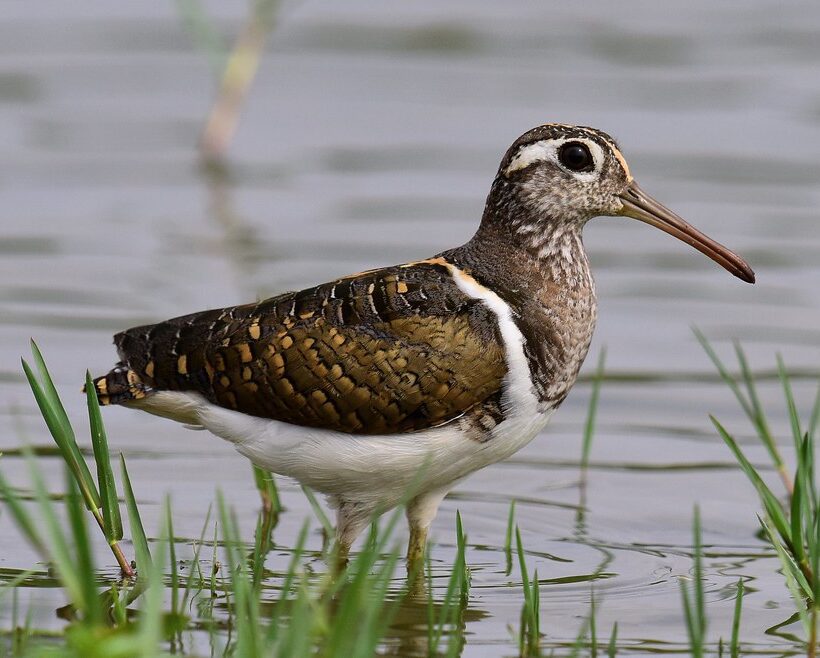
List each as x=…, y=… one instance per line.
x=575, y=156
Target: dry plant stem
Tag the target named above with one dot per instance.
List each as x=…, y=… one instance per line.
x=125, y=566
x=239, y=74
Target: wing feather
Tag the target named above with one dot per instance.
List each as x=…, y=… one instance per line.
x=386, y=351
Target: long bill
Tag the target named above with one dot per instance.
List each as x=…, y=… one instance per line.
x=637, y=204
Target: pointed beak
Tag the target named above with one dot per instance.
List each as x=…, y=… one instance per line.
x=639, y=205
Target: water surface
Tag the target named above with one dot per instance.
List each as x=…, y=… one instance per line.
x=370, y=138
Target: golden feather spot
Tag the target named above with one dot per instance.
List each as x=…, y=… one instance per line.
x=254, y=331
x=278, y=363
x=400, y=362
x=271, y=349
x=182, y=365
x=102, y=386
x=306, y=315
x=337, y=340
x=132, y=378
x=288, y=322
x=247, y=373
x=330, y=412
x=308, y=343
x=320, y=370
x=332, y=332
x=335, y=372
x=287, y=341
x=245, y=354
x=225, y=381
x=149, y=369
x=401, y=287
x=284, y=386
x=359, y=396
x=319, y=397
x=252, y=387
x=209, y=369
x=345, y=385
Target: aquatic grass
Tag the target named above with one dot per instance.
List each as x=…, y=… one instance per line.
x=235, y=69
x=103, y=503
x=793, y=528
x=456, y=598
x=734, y=646
x=271, y=505
x=529, y=634
x=694, y=603
x=592, y=414
x=328, y=530
x=749, y=401
x=612, y=645
x=508, y=538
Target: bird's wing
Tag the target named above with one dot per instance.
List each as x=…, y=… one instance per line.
x=391, y=350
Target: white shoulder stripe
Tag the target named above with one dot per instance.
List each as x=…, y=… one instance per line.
x=518, y=393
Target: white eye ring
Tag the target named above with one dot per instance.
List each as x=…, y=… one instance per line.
x=547, y=150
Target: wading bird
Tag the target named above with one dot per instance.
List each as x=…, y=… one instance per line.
x=414, y=375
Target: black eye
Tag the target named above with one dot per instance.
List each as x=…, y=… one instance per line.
x=575, y=156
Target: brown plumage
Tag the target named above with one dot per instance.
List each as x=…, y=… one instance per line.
x=391, y=350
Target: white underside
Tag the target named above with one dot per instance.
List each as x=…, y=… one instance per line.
x=377, y=471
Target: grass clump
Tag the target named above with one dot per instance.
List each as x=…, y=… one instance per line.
x=793, y=527
x=147, y=611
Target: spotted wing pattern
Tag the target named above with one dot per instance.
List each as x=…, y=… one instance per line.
x=391, y=350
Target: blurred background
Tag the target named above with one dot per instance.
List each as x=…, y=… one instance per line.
x=370, y=137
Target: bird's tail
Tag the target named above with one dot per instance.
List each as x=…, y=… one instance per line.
x=120, y=385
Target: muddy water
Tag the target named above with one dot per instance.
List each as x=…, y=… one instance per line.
x=370, y=138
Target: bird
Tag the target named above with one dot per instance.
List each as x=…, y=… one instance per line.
x=390, y=386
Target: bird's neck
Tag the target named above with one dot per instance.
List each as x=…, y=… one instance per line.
x=545, y=278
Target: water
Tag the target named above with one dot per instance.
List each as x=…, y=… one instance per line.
x=370, y=138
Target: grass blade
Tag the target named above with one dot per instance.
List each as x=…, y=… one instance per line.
x=769, y=500
x=57, y=422
x=794, y=418
x=589, y=426
x=327, y=526
x=612, y=646
x=112, y=521
x=138, y=537
x=735, y=645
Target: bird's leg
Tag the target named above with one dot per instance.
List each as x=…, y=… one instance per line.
x=351, y=520
x=416, y=545
x=421, y=511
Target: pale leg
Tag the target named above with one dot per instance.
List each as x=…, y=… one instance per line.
x=420, y=514
x=351, y=520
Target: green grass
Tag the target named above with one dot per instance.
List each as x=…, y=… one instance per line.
x=152, y=608
x=792, y=528
x=147, y=612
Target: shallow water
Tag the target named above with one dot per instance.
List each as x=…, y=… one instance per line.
x=370, y=138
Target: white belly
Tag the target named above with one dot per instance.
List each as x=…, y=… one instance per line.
x=339, y=463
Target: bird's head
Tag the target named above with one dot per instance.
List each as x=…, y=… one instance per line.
x=558, y=174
